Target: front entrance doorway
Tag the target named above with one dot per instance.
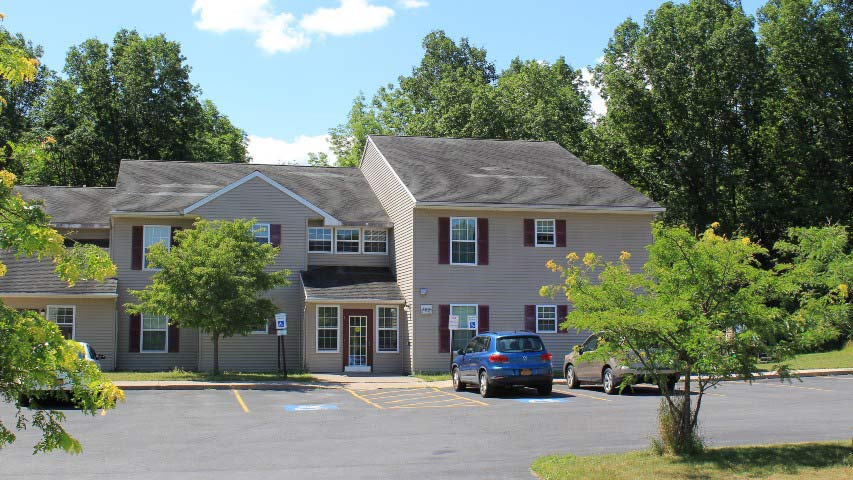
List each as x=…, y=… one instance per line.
x=358, y=340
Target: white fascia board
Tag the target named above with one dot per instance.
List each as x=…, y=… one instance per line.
x=328, y=219
x=379, y=301
x=56, y=295
x=556, y=208
x=394, y=172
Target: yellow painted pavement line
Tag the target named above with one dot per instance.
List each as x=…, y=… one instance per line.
x=390, y=395
x=414, y=399
x=445, y=399
x=439, y=406
x=365, y=400
x=240, y=401
x=784, y=385
x=573, y=393
x=460, y=396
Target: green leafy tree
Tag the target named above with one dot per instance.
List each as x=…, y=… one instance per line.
x=700, y=306
x=682, y=94
x=212, y=279
x=132, y=99
x=320, y=159
x=456, y=92
x=806, y=121
x=816, y=271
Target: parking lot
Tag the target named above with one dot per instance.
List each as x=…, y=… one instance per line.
x=436, y=433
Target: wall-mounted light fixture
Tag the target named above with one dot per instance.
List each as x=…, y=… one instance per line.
x=424, y=291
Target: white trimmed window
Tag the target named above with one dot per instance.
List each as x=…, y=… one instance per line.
x=155, y=333
x=388, y=327
x=546, y=319
x=327, y=328
x=152, y=235
x=347, y=240
x=545, y=233
x=464, y=315
x=463, y=241
x=63, y=316
x=375, y=241
x=319, y=240
x=262, y=328
x=261, y=232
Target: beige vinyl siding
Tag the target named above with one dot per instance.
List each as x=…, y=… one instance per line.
x=94, y=321
x=515, y=272
x=354, y=260
x=260, y=200
x=399, y=205
x=85, y=233
x=120, y=251
x=333, y=362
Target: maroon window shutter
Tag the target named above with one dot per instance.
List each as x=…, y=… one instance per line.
x=444, y=240
x=174, y=339
x=443, y=328
x=562, y=311
x=271, y=326
x=275, y=234
x=529, y=232
x=560, y=227
x=135, y=328
x=174, y=231
x=530, y=318
x=482, y=318
x=136, y=248
x=482, y=241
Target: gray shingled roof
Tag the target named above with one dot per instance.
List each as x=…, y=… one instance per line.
x=356, y=283
x=160, y=186
x=77, y=206
x=517, y=172
x=28, y=275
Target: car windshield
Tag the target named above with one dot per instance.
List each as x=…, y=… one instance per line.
x=520, y=344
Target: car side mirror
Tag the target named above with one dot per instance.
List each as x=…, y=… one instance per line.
x=458, y=352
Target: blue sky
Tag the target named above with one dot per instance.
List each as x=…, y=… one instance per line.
x=287, y=71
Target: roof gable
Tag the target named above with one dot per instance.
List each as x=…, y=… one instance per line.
x=504, y=174
x=327, y=218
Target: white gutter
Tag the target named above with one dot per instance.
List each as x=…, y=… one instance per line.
x=523, y=206
x=56, y=295
x=353, y=300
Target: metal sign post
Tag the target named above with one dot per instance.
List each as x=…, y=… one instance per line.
x=281, y=332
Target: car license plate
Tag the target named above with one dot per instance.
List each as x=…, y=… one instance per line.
x=526, y=371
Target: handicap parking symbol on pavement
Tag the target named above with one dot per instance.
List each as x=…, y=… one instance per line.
x=310, y=407
x=540, y=400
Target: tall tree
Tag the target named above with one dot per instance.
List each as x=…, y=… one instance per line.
x=807, y=127
x=682, y=93
x=133, y=99
x=456, y=92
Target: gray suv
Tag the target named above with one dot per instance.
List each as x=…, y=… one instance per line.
x=610, y=373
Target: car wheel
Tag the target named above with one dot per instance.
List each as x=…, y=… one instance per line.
x=544, y=390
x=608, y=381
x=486, y=390
x=24, y=400
x=671, y=382
x=571, y=378
x=458, y=385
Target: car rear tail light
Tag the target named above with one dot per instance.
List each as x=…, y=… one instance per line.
x=546, y=357
x=498, y=358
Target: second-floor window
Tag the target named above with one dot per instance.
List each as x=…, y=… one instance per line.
x=545, y=233
x=463, y=241
x=347, y=240
x=546, y=319
x=152, y=235
x=261, y=232
x=375, y=241
x=63, y=317
x=319, y=240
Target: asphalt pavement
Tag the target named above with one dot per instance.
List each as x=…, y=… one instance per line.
x=400, y=433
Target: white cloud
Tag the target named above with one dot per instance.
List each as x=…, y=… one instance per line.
x=352, y=16
x=277, y=151
x=274, y=31
x=599, y=108
x=410, y=4
x=278, y=31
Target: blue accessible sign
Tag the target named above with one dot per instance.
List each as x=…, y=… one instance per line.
x=540, y=400
x=310, y=407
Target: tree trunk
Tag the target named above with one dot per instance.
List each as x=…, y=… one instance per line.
x=676, y=422
x=215, y=354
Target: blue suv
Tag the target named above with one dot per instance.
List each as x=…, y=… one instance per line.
x=503, y=359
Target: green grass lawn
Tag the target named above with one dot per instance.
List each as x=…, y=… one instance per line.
x=831, y=460
x=178, y=374
x=432, y=376
x=835, y=359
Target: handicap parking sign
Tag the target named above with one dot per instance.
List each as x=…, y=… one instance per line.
x=310, y=407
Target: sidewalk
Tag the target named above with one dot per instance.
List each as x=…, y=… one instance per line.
x=373, y=382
